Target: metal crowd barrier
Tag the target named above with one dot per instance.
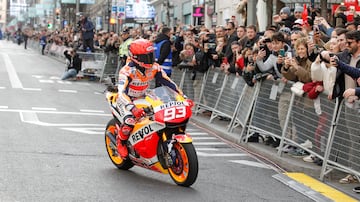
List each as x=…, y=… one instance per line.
x=93, y=64
x=268, y=108
x=343, y=148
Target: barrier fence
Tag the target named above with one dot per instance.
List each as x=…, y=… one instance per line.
x=269, y=108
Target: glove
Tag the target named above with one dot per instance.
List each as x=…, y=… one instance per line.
x=138, y=112
x=191, y=103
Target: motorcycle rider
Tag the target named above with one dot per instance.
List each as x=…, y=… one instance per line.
x=134, y=80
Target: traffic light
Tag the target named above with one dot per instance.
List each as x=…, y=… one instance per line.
x=57, y=13
x=49, y=25
x=112, y=21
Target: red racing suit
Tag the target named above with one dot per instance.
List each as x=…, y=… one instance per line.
x=133, y=84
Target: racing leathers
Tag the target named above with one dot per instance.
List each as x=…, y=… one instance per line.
x=133, y=83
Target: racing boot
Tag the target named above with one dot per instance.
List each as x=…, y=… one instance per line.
x=121, y=138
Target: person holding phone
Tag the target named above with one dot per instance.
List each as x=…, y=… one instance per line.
x=275, y=60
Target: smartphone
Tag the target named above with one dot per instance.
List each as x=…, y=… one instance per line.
x=289, y=55
x=282, y=52
x=225, y=60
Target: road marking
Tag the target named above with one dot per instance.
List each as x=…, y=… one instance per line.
x=219, y=155
x=37, y=76
x=14, y=78
x=32, y=89
x=92, y=111
x=251, y=163
x=206, y=149
x=1, y=87
x=55, y=77
x=29, y=117
x=68, y=91
x=43, y=108
x=46, y=81
x=90, y=131
x=208, y=143
x=204, y=138
x=320, y=187
x=4, y=107
x=197, y=134
x=64, y=82
x=54, y=112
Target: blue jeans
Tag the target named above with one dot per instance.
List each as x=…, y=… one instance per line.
x=71, y=73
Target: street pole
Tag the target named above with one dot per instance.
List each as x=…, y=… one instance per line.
x=251, y=12
x=77, y=11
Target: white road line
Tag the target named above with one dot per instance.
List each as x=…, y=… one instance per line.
x=32, y=89
x=68, y=91
x=14, y=78
x=43, y=108
x=64, y=82
x=54, y=112
x=251, y=163
x=55, y=77
x=204, y=138
x=197, y=134
x=1, y=87
x=206, y=149
x=46, y=81
x=37, y=76
x=91, y=131
x=4, y=107
x=209, y=143
x=219, y=154
x=92, y=111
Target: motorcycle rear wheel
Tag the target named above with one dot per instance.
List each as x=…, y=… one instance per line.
x=185, y=169
x=113, y=155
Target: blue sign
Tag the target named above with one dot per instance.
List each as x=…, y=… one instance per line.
x=114, y=9
x=121, y=8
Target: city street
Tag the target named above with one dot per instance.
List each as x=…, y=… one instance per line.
x=52, y=146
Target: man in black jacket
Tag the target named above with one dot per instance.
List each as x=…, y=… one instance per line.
x=74, y=64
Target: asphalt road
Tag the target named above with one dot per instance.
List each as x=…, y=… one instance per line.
x=52, y=146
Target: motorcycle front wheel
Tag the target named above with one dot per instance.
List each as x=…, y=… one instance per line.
x=185, y=169
x=112, y=150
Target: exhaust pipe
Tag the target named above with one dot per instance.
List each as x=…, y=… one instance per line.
x=112, y=138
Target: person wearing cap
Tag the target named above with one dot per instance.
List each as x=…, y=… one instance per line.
x=298, y=12
x=124, y=47
x=87, y=31
x=286, y=17
x=163, y=53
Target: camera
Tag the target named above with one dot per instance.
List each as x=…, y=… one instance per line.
x=211, y=45
x=262, y=47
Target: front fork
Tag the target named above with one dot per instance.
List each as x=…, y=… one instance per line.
x=168, y=145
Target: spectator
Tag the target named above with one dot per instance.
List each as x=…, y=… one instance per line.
x=87, y=31
x=43, y=41
x=163, y=53
x=124, y=46
x=231, y=36
x=25, y=36
x=73, y=63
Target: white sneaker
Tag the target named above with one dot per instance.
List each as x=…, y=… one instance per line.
x=310, y=158
x=307, y=144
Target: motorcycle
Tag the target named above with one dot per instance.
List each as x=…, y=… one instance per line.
x=158, y=141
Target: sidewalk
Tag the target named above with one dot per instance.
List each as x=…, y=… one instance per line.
x=269, y=155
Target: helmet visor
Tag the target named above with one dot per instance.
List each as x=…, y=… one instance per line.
x=146, y=58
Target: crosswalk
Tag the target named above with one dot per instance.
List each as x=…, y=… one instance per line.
x=206, y=146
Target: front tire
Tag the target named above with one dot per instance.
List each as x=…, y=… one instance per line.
x=185, y=169
x=112, y=150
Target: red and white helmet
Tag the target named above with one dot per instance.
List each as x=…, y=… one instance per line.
x=142, y=52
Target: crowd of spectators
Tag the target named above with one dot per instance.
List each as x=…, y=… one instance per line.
x=298, y=47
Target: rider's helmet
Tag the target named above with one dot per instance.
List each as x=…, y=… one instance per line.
x=142, y=52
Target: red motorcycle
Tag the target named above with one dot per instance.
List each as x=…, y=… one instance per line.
x=158, y=141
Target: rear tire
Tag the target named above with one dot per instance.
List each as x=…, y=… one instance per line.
x=112, y=150
x=185, y=169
